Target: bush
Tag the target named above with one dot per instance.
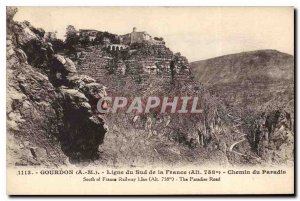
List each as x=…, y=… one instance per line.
x=57, y=44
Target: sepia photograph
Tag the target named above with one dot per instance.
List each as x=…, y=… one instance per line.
x=150, y=100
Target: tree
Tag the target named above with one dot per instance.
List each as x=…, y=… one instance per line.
x=70, y=30
x=114, y=39
x=10, y=13
x=85, y=41
x=58, y=45
x=50, y=36
x=72, y=39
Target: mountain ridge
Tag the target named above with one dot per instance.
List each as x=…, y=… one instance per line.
x=248, y=78
x=236, y=53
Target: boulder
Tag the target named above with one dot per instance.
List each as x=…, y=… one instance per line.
x=73, y=95
x=70, y=66
x=83, y=131
x=79, y=81
x=63, y=65
x=24, y=34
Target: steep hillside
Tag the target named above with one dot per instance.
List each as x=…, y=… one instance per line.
x=219, y=135
x=172, y=139
x=49, y=116
x=257, y=80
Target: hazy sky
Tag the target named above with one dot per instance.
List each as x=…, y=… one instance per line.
x=197, y=32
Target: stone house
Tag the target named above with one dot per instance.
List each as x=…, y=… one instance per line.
x=135, y=37
x=88, y=33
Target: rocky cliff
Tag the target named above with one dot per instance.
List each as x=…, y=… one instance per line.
x=50, y=120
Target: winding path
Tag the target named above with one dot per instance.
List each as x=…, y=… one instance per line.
x=242, y=135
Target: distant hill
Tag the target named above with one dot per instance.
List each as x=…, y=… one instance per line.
x=256, y=80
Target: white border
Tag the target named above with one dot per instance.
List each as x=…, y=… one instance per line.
x=5, y=3
x=152, y=3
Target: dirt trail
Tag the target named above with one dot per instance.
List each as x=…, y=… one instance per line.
x=242, y=138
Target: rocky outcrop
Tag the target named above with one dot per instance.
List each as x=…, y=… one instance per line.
x=82, y=132
x=273, y=138
x=33, y=116
x=49, y=111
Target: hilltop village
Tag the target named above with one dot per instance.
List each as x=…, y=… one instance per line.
x=132, y=53
x=124, y=41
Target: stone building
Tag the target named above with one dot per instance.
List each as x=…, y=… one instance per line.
x=125, y=39
x=88, y=33
x=135, y=37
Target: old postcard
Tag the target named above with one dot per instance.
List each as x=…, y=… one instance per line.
x=150, y=100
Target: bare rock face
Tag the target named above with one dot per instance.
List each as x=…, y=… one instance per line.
x=81, y=127
x=24, y=34
x=273, y=137
x=49, y=114
x=33, y=116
